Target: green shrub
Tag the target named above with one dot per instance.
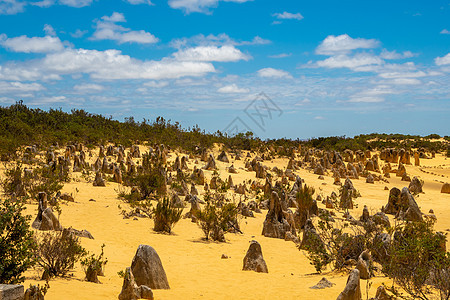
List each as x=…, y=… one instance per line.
x=16, y=242
x=93, y=266
x=57, y=253
x=165, y=216
x=217, y=217
x=30, y=182
x=418, y=262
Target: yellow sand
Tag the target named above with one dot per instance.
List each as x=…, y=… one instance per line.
x=194, y=267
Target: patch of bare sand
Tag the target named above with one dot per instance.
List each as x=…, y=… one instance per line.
x=194, y=267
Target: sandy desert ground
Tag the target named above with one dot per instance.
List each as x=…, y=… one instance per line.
x=194, y=267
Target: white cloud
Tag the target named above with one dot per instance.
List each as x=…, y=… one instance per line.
x=343, y=44
x=12, y=87
x=156, y=84
x=88, y=88
x=44, y=3
x=79, y=33
x=319, y=118
x=31, y=45
x=303, y=102
x=11, y=7
x=107, y=29
x=405, y=81
x=215, y=40
x=273, y=73
x=281, y=55
x=211, y=53
x=357, y=62
x=76, y=3
x=445, y=60
x=112, y=64
x=136, y=2
x=444, y=31
x=115, y=17
x=232, y=89
x=365, y=99
x=288, y=16
x=372, y=95
x=49, y=100
x=201, y=6
x=48, y=29
x=385, y=54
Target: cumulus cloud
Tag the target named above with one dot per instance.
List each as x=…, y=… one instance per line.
x=395, y=55
x=112, y=64
x=343, y=44
x=232, y=89
x=211, y=53
x=288, y=16
x=273, y=73
x=107, y=29
x=358, y=62
x=445, y=60
x=200, y=6
x=31, y=45
x=444, y=31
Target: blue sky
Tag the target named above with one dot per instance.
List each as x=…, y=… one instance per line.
x=328, y=67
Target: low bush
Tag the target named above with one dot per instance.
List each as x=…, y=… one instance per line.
x=165, y=216
x=57, y=253
x=217, y=217
x=16, y=242
x=93, y=266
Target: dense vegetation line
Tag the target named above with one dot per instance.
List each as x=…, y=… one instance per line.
x=21, y=125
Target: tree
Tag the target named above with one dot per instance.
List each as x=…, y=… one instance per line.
x=16, y=242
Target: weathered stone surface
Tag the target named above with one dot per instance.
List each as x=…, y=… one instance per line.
x=11, y=292
x=147, y=268
x=277, y=219
x=131, y=291
x=363, y=264
x=322, y=284
x=32, y=293
x=348, y=191
x=445, y=188
x=415, y=186
x=352, y=290
x=253, y=260
x=45, y=220
x=382, y=294
x=402, y=204
x=211, y=164
x=99, y=181
x=223, y=157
